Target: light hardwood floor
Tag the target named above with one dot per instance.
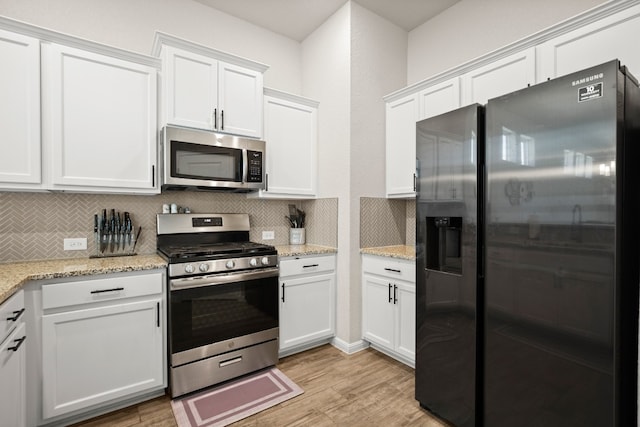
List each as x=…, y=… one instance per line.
x=363, y=389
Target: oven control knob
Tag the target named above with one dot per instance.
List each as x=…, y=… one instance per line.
x=189, y=268
x=230, y=264
x=253, y=262
x=203, y=268
x=264, y=260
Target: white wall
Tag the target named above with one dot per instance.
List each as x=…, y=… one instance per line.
x=131, y=25
x=349, y=63
x=472, y=28
x=326, y=78
x=378, y=66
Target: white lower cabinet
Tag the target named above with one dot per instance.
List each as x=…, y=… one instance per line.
x=389, y=306
x=307, y=302
x=102, y=341
x=12, y=362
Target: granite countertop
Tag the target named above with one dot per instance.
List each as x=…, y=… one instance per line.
x=396, y=251
x=301, y=250
x=14, y=275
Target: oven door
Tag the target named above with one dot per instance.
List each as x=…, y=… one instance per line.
x=214, y=314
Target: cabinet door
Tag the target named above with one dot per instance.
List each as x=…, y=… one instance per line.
x=439, y=98
x=100, y=121
x=20, y=111
x=290, y=129
x=12, y=379
x=378, y=311
x=307, y=310
x=499, y=78
x=612, y=37
x=406, y=319
x=190, y=89
x=240, y=100
x=93, y=355
x=401, y=118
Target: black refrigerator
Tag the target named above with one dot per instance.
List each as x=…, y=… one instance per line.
x=555, y=237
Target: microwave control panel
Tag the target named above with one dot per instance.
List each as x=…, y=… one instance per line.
x=254, y=173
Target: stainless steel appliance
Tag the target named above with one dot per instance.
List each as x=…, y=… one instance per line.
x=222, y=301
x=448, y=290
x=541, y=326
x=203, y=160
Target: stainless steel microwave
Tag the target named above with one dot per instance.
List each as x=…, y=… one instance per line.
x=204, y=160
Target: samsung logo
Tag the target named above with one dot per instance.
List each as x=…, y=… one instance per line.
x=587, y=79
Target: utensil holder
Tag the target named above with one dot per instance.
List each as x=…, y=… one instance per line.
x=297, y=236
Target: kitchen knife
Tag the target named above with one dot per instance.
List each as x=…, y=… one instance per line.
x=112, y=230
x=137, y=238
x=96, y=234
x=104, y=239
x=128, y=227
x=117, y=231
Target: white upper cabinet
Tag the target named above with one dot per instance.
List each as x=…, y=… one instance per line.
x=614, y=36
x=439, y=98
x=500, y=77
x=20, y=162
x=99, y=122
x=401, y=118
x=240, y=97
x=402, y=113
x=208, y=89
x=190, y=94
x=291, y=135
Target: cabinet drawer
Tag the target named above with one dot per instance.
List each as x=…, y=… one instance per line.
x=11, y=309
x=390, y=267
x=103, y=289
x=307, y=265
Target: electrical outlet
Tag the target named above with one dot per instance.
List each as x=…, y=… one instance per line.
x=268, y=235
x=76, y=244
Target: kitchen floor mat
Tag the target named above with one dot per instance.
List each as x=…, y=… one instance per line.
x=224, y=404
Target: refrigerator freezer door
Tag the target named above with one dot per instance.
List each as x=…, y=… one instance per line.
x=446, y=265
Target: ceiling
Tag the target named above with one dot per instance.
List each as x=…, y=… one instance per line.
x=297, y=19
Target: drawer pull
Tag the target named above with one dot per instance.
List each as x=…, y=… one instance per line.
x=17, y=346
x=310, y=265
x=230, y=362
x=101, y=291
x=393, y=270
x=16, y=315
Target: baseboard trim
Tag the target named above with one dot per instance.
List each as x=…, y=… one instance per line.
x=349, y=348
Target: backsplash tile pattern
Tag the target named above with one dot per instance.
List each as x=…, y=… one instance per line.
x=33, y=225
x=411, y=223
x=387, y=222
x=323, y=213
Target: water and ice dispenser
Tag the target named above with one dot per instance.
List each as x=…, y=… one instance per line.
x=444, y=244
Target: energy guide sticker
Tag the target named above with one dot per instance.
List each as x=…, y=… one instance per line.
x=587, y=93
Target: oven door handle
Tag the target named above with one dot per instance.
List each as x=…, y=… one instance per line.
x=220, y=279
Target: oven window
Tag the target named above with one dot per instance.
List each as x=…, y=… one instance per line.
x=196, y=161
x=209, y=314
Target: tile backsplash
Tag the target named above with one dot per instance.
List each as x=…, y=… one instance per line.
x=33, y=225
x=387, y=222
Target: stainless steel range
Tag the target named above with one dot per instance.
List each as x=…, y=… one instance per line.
x=222, y=302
